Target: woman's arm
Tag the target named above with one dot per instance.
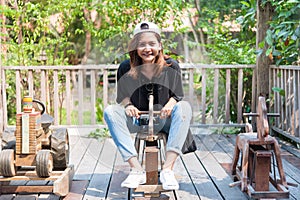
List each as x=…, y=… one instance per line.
x=130, y=109
x=167, y=109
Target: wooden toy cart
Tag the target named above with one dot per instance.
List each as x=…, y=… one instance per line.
x=152, y=154
x=260, y=160
x=39, y=154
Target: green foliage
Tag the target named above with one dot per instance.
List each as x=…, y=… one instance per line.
x=213, y=13
x=11, y=97
x=228, y=50
x=100, y=133
x=247, y=19
x=279, y=90
x=59, y=28
x=99, y=110
x=56, y=32
x=283, y=36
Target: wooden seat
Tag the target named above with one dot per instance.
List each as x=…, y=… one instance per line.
x=160, y=141
x=257, y=150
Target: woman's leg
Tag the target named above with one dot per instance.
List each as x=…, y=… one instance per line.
x=120, y=127
x=178, y=129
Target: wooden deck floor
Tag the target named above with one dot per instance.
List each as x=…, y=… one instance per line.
x=99, y=170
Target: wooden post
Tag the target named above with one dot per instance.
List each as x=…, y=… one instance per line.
x=262, y=170
x=264, y=15
x=1, y=100
x=1, y=106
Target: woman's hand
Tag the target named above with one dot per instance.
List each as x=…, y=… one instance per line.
x=132, y=111
x=166, y=111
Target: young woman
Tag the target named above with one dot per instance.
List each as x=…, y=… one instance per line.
x=149, y=72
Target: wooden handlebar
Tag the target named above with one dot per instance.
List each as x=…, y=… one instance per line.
x=147, y=112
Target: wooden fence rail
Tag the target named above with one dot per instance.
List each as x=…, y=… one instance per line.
x=71, y=93
x=287, y=104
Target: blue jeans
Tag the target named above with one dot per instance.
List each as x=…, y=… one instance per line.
x=120, y=127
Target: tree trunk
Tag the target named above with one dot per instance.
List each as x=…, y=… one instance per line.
x=88, y=37
x=264, y=15
x=201, y=48
x=261, y=72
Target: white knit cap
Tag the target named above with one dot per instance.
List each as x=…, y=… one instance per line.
x=146, y=27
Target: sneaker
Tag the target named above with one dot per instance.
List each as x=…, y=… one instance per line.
x=168, y=180
x=134, y=179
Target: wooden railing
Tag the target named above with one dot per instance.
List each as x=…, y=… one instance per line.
x=287, y=104
x=76, y=89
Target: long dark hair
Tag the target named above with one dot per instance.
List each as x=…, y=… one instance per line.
x=136, y=60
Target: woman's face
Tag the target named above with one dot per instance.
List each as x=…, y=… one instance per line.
x=148, y=47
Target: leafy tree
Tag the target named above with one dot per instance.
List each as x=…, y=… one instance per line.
x=64, y=32
x=283, y=37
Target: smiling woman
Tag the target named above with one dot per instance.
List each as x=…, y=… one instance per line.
x=149, y=73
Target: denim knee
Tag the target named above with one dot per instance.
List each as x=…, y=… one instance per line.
x=111, y=110
x=184, y=109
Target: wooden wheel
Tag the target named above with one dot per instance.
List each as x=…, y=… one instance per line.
x=60, y=149
x=44, y=163
x=7, y=163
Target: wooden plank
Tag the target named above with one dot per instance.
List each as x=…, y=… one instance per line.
x=191, y=87
x=80, y=97
x=115, y=66
x=217, y=173
x=77, y=190
x=43, y=88
x=214, y=144
x=62, y=185
x=105, y=88
x=7, y=196
x=200, y=181
x=240, y=96
x=216, y=95
x=69, y=103
x=30, y=83
x=229, y=147
x=87, y=165
x=74, y=138
x=93, y=97
x=120, y=172
x=18, y=93
x=56, y=97
x=1, y=107
x=13, y=189
x=80, y=148
x=203, y=97
x=292, y=176
x=26, y=197
x=99, y=182
x=227, y=96
x=297, y=133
